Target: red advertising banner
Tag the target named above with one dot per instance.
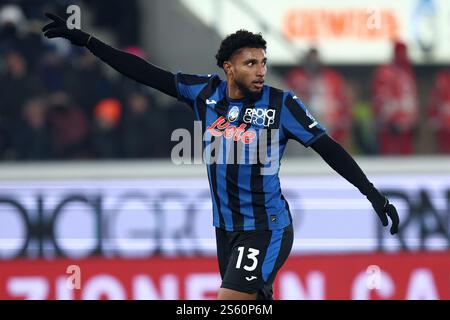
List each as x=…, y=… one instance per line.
x=377, y=276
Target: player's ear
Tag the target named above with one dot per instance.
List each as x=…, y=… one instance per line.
x=227, y=67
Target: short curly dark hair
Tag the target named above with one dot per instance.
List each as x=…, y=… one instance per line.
x=236, y=41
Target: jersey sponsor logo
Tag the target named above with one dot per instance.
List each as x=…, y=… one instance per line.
x=259, y=117
x=222, y=127
x=233, y=115
x=251, y=278
x=211, y=102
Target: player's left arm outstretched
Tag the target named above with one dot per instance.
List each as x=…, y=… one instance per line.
x=298, y=124
x=343, y=163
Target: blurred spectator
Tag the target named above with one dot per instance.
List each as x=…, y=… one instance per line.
x=439, y=110
x=71, y=121
x=122, y=19
x=88, y=82
x=69, y=128
x=52, y=71
x=15, y=34
x=73, y=82
x=5, y=140
x=16, y=86
x=12, y=21
x=178, y=117
x=34, y=9
x=33, y=141
x=107, y=117
x=325, y=93
x=395, y=101
x=146, y=131
x=363, y=129
x=143, y=128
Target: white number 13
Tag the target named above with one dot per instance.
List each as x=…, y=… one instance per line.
x=252, y=256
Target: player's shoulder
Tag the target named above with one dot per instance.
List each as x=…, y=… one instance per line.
x=287, y=95
x=193, y=79
x=279, y=90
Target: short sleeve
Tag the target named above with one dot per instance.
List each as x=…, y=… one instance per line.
x=298, y=123
x=190, y=86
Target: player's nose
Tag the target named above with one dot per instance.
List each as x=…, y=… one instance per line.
x=261, y=71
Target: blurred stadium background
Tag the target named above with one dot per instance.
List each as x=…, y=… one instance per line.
x=86, y=178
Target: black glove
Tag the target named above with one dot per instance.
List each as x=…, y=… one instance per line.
x=384, y=209
x=58, y=29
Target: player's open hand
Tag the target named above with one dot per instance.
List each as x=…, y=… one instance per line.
x=384, y=210
x=58, y=29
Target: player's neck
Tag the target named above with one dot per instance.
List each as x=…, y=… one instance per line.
x=233, y=91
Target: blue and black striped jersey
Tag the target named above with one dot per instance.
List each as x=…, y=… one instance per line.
x=244, y=141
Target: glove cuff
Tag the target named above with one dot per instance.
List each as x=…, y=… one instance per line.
x=86, y=38
x=88, y=41
x=377, y=199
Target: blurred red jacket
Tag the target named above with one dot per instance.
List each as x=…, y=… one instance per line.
x=325, y=94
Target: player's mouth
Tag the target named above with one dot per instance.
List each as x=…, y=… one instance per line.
x=258, y=84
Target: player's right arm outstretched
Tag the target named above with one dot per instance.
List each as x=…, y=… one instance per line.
x=125, y=63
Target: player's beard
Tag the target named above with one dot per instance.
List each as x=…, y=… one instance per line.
x=250, y=95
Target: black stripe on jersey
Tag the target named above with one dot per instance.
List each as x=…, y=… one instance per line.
x=265, y=136
x=276, y=103
x=286, y=205
x=206, y=93
x=258, y=198
x=234, y=202
x=257, y=180
x=301, y=117
x=222, y=108
x=212, y=169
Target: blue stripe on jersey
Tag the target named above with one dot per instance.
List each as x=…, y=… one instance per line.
x=221, y=176
x=190, y=92
x=245, y=175
x=210, y=118
x=252, y=148
x=258, y=180
x=294, y=127
x=272, y=253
